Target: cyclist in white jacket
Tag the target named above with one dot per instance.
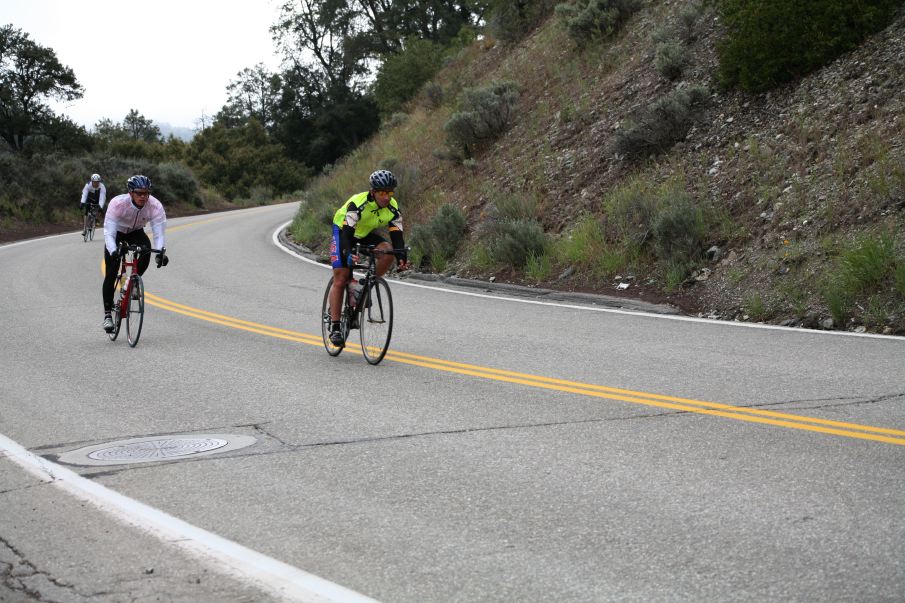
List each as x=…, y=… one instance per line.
x=93, y=193
x=125, y=220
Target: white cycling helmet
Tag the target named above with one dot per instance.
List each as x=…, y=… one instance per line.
x=95, y=177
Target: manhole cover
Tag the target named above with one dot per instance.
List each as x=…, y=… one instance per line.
x=145, y=450
x=157, y=449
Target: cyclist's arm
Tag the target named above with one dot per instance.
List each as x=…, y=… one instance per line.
x=103, y=195
x=84, y=195
x=395, y=228
x=347, y=232
x=158, y=223
x=110, y=228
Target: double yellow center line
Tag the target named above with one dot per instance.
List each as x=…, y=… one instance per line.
x=753, y=415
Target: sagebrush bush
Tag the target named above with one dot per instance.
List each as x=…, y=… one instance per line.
x=484, y=114
x=678, y=230
x=657, y=127
x=589, y=20
x=769, y=42
x=670, y=59
x=514, y=241
x=438, y=240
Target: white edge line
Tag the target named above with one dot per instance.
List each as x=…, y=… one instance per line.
x=706, y=321
x=275, y=577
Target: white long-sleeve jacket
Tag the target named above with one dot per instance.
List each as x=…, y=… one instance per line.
x=87, y=189
x=124, y=216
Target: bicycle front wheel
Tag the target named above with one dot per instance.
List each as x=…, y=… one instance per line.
x=376, y=320
x=91, y=226
x=85, y=229
x=326, y=320
x=136, y=315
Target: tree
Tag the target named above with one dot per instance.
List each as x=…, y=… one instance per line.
x=139, y=127
x=254, y=95
x=30, y=75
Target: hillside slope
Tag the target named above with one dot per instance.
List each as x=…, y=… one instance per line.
x=798, y=187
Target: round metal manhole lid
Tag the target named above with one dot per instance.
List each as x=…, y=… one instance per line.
x=145, y=450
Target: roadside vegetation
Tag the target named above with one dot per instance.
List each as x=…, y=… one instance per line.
x=737, y=159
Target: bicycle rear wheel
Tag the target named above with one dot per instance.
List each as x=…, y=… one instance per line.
x=116, y=314
x=136, y=313
x=376, y=320
x=326, y=322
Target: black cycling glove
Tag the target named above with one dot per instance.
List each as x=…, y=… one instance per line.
x=162, y=259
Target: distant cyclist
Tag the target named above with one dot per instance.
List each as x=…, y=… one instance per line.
x=94, y=194
x=354, y=223
x=126, y=218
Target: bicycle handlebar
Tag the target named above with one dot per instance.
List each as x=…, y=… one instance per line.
x=372, y=250
x=139, y=249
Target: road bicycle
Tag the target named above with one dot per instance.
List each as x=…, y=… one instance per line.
x=367, y=306
x=129, y=294
x=90, y=222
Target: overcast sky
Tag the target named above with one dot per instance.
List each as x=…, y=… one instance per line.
x=169, y=59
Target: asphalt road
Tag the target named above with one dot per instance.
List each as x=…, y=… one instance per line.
x=503, y=451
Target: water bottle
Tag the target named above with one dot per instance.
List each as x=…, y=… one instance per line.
x=354, y=293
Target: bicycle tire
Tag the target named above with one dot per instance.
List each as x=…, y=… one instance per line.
x=136, y=310
x=116, y=314
x=85, y=228
x=375, y=322
x=91, y=228
x=326, y=321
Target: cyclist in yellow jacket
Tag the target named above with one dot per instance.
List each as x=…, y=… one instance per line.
x=354, y=222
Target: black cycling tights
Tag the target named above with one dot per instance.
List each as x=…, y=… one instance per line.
x=136, y=237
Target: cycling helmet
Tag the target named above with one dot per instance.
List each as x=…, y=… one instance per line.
x=138, y=181
x=95, y=177
x=383, y=180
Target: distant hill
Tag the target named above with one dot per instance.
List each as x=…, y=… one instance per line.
x=185, y=134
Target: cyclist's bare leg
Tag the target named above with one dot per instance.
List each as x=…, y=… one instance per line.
x=384, y=261
x=341, y=278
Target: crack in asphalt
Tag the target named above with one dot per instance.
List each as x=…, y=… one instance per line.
x=13, y=575
x=289, y=448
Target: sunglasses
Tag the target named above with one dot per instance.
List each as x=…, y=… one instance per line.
x=142, y=193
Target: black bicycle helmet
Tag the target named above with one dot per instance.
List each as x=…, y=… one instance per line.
x=138, y=181
x=383, y=180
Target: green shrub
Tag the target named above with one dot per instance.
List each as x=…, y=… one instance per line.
x=678, y=231
x=659, y=126
x=514, y=207
x=899, y=277
x=670, y=59
x=433, y=94
x=583, y=245
x=865, y=266
x=538, y=267
x=590, y=20
x=401, y=75
x=515, y=241
x=511, y=20
x=484, y=114
x=438, y=240
x=174, y=182
x=838, y=302
x=769, y=42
